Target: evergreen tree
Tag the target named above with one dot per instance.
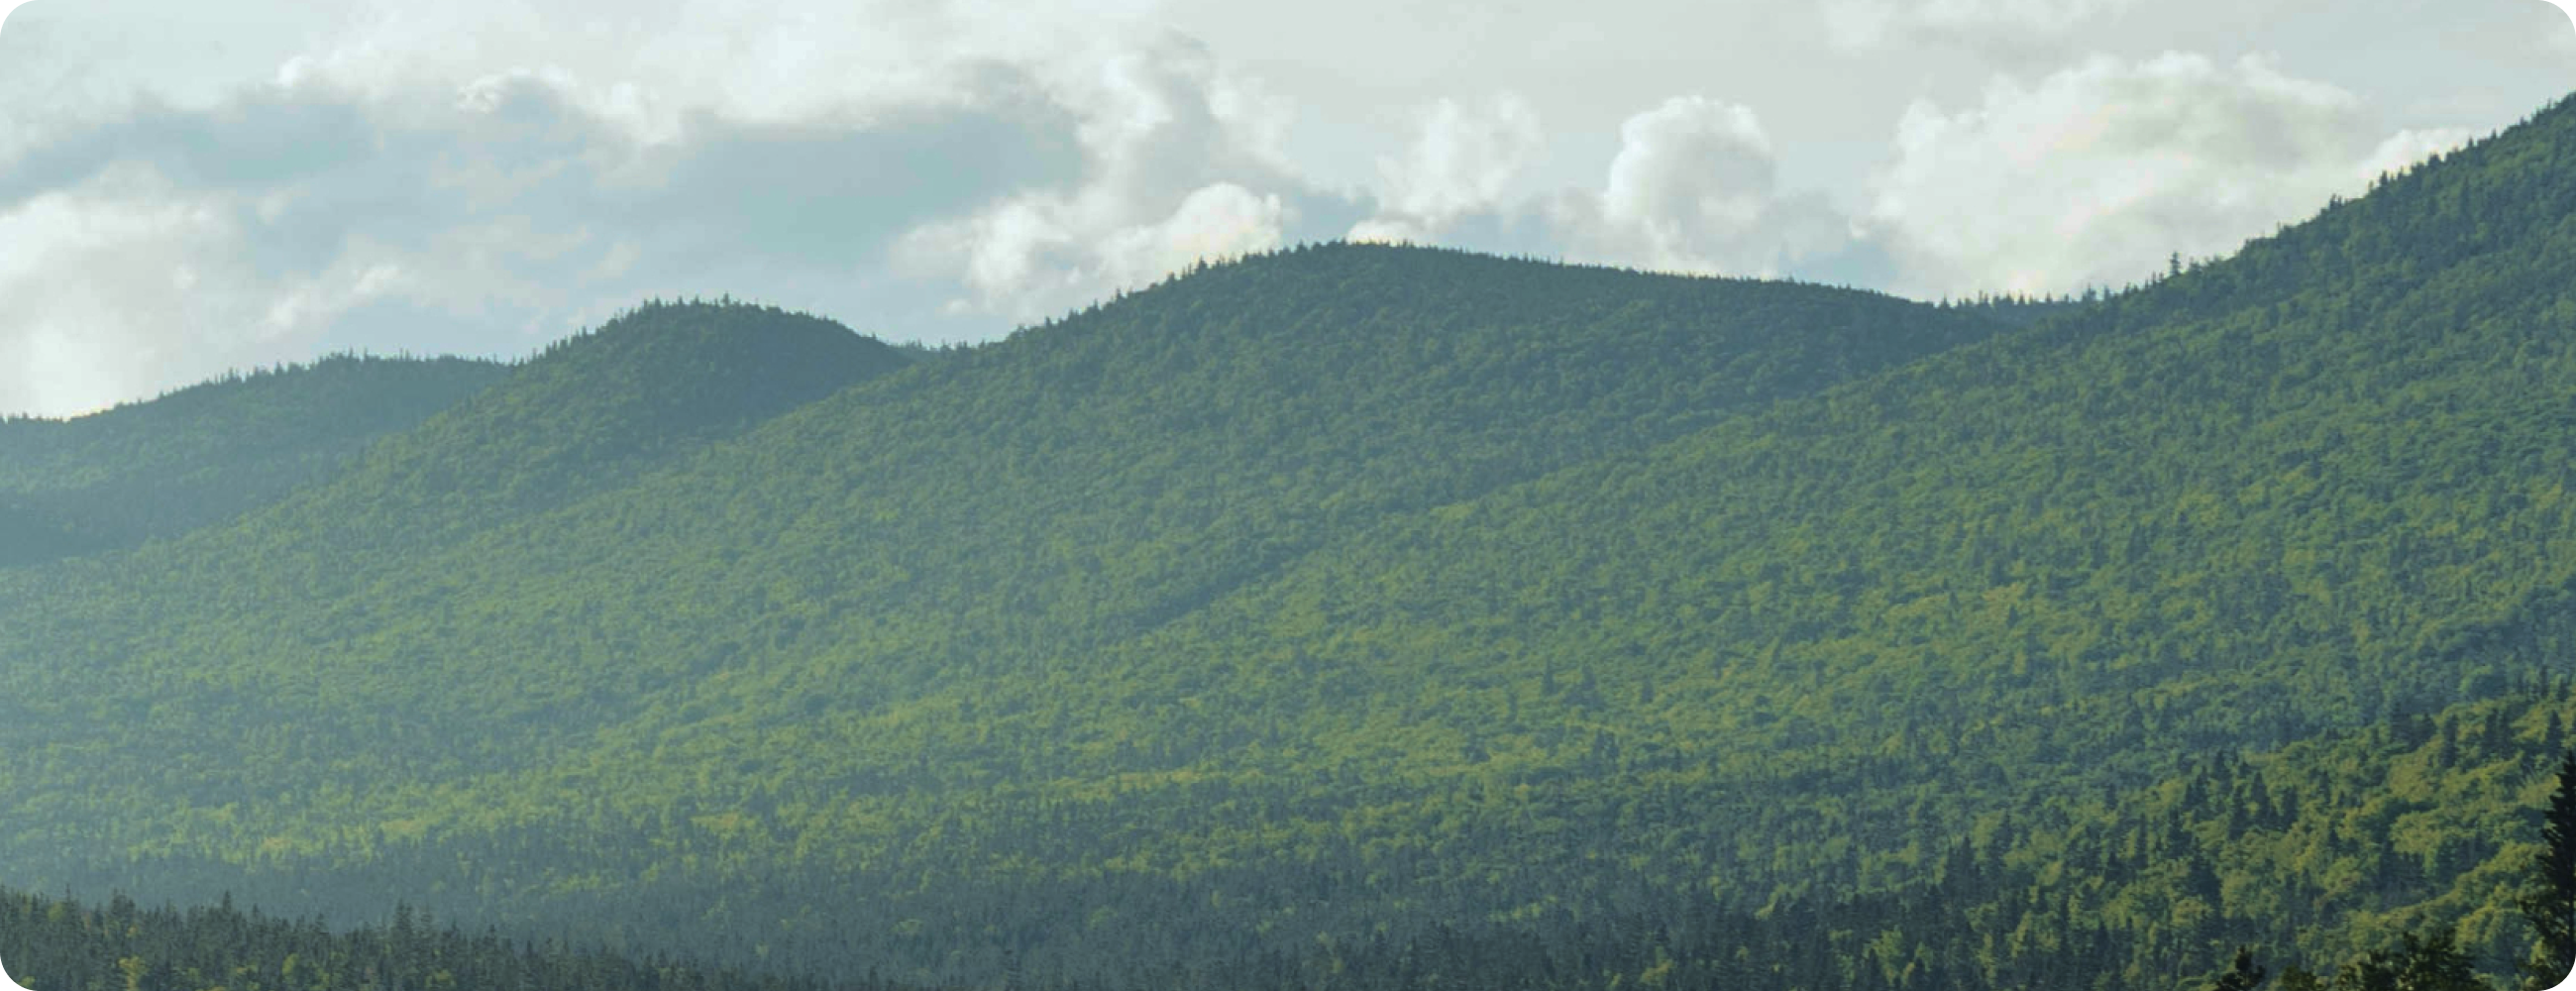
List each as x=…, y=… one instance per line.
x=2243, y=975
x=2376, y=972
x=2551, y=906
x=2435, y=964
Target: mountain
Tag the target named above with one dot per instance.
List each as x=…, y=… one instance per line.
x=586, y=415
x=1070, y=486
x=1354, y=598
x=204, y=455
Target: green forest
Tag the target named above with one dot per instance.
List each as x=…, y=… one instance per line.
x=1348, y=616
x=207, y=454
x=1846, y=943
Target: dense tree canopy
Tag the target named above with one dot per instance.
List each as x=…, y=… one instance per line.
x=1356, y=611
x=203, y=455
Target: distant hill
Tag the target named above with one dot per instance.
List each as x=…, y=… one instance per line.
x=1362, y=598
x=1077, y=484
x=583, y=416
x=207, y=454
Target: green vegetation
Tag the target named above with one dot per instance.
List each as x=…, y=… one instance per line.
x=585, y=415
x=207, y=454
x=2549, y=906
x=1980, y=923
x=1361, y=611
x=62, y=945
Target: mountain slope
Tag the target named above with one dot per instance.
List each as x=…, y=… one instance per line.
x=586, y=415
x=1348, y=589
x=2321, y=490
x=206, y=454
x=2316, y=489
x=1068, y=487
x=2018, y=572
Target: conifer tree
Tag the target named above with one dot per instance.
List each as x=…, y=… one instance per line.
x=2243, y=975
x=2550, y=907
x=2435, y=964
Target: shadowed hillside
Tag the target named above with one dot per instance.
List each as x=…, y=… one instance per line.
x=587, y=415
x=969, y=517
x=204, y=455
x=1356, y=593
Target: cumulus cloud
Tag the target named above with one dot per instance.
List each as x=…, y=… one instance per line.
x=431, y=176
x=144, y=255
x=1182, y=164
x=498, y=216
x=97, y=273
x=2096, y=174
x=1038, y=255
x=261, y=180
x=1217, y=221
x=1695, y=188
x=1462, y=161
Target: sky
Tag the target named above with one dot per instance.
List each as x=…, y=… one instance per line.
x=190, y=188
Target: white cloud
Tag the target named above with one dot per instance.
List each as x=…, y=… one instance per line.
x=499, y=212
x=1218, y=221
x=477, y=175
x=95, y=274
x=514, y=167
x=1182, y=162
x=1462, y=161
x=128, y=283
x=2405, y=148
x=2097, y=173
x=1038, y=255
x=1695, y=188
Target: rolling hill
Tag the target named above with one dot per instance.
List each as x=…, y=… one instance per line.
x=1357, y=593
x=207, y=454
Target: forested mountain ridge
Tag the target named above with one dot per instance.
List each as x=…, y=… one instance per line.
x=576, y=417
x=585, y=415
x=2223, y=512
x=1352, y=593
x=1079, y=481
x=205, y=454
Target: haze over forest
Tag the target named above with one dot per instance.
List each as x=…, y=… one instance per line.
x=1351, y=615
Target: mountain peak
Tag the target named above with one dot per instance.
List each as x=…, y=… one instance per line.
x=606, y=404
